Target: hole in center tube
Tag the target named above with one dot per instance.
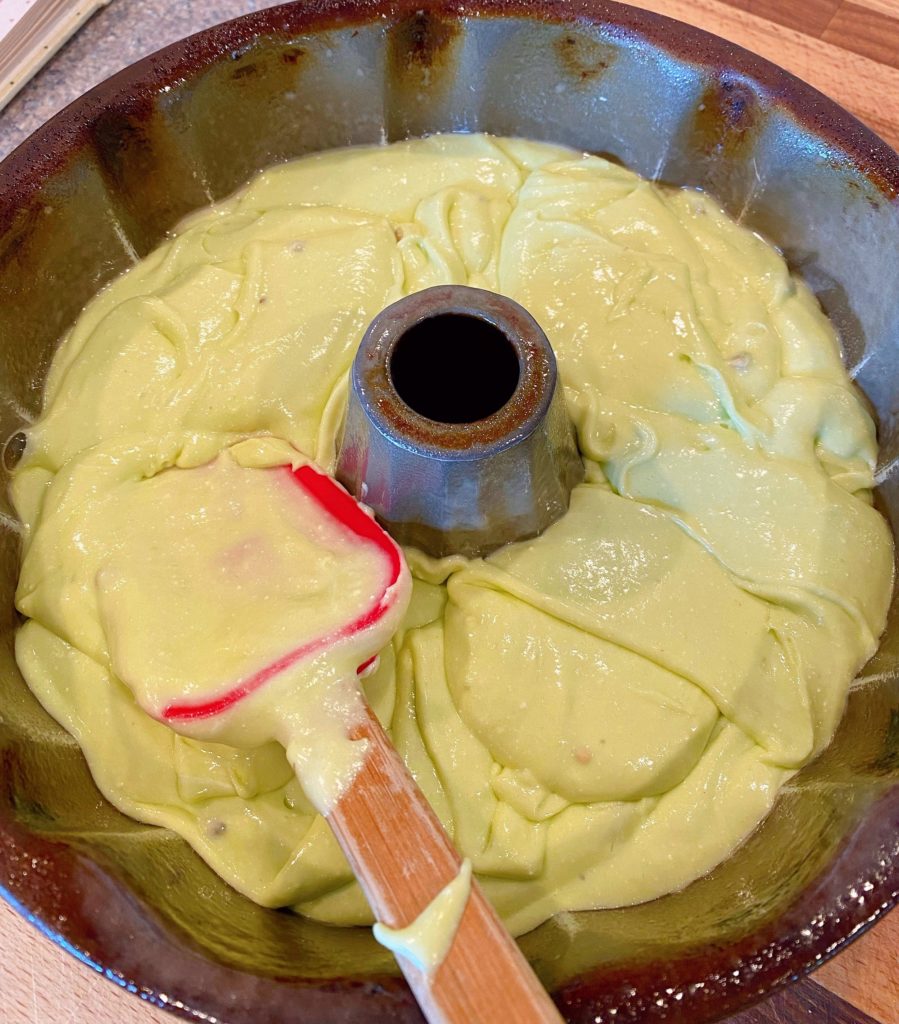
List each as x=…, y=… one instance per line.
x=454, y=368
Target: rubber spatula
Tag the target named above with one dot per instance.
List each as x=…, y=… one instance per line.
x=258, y=593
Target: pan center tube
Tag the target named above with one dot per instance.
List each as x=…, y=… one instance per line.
x=456, y=431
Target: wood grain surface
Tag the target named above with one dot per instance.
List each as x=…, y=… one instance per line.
x=849, y=49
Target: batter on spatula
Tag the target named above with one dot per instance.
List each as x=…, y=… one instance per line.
x=240, y=598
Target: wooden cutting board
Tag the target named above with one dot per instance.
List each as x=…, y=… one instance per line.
x=848, y=49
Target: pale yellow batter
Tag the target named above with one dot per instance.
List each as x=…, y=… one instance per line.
x=598, y=716
x=426, y=941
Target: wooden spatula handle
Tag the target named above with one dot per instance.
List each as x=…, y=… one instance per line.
x=403, y=859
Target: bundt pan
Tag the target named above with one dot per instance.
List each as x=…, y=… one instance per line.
x=103, y=182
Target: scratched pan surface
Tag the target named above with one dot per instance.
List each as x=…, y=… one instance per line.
x=108, y=176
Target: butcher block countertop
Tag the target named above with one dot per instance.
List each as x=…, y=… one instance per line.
x=848, y=49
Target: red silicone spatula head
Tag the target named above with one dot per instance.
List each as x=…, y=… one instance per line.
x=333, y=501
x=243, y=597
